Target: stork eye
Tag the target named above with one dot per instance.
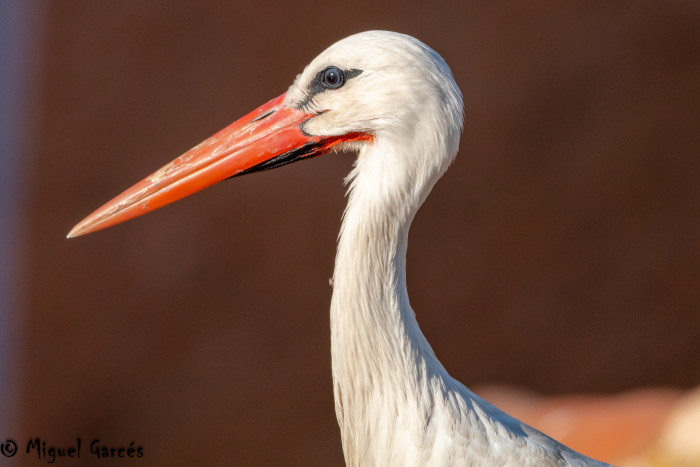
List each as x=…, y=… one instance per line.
x=328, y=79
x=333, y=78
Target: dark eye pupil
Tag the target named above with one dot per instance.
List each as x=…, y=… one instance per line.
x=332, y=78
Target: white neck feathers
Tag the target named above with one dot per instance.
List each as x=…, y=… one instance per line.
x=381, y=360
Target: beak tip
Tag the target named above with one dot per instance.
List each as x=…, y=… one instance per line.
x=77, y=231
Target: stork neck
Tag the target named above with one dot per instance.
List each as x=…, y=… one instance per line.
x=372, y=320
x=369, y=296
x=380, y=357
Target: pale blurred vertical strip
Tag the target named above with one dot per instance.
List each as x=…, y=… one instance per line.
x=21, y=34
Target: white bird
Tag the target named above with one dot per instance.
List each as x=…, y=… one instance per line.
x=393, y=100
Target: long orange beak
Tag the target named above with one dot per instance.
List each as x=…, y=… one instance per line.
x=268, y=137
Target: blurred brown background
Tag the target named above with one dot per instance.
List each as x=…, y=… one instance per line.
x=560, y=254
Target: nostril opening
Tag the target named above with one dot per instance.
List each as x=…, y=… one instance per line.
x=266, y=114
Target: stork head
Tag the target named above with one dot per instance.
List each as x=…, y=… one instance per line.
x=377, y=82
x=375, y=89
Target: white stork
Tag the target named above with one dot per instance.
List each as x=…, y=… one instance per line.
x=393, y=100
